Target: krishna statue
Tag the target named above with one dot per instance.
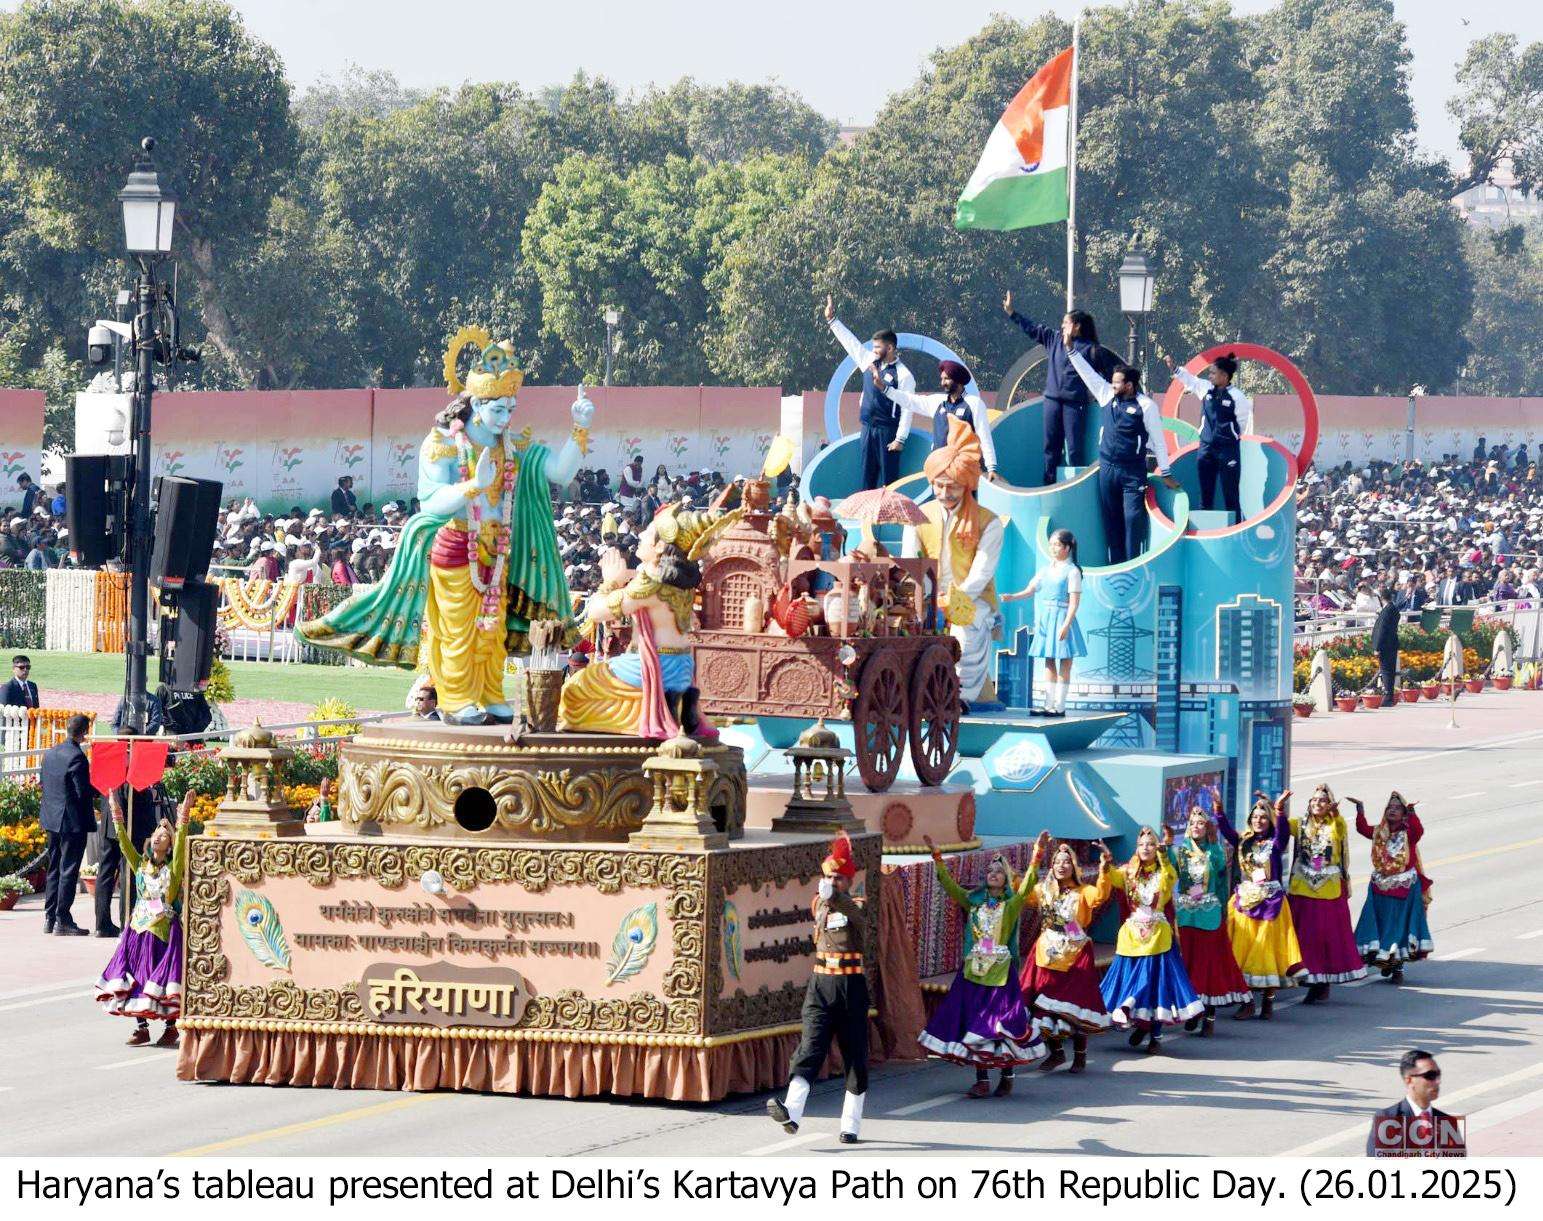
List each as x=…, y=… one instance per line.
x=479, y=564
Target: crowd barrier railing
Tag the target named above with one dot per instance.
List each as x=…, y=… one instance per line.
x=17, y=761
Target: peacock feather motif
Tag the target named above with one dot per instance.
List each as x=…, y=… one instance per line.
x=732, y=950
x=261, y=930
x=633, y=943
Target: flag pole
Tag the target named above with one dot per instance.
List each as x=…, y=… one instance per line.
x=1071, y=160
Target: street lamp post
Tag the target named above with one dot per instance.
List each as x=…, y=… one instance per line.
x=612, y=317
x=148, y=212
x=1136, y=283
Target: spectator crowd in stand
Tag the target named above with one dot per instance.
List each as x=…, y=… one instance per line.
x=1460, y=531
x=1457, y=532
x=348, y=542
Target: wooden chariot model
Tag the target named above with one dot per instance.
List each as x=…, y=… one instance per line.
x=786, y=633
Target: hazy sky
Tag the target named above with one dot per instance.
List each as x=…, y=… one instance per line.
x=818, y=47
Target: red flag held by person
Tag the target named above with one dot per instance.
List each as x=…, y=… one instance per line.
x=109, y=765
x=147, y=763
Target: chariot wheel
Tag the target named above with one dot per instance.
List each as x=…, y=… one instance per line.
x=934, y=714
x=880, y=721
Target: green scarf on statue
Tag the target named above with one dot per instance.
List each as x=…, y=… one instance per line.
x=384, y=625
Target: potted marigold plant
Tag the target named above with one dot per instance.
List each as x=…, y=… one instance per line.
x=1475, y=683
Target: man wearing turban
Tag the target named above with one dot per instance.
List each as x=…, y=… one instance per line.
x=966, y=541
x=952, y=404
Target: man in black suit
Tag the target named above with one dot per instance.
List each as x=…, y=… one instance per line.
x=20, y=691
x=1413, y=596
x=1413, y=1125
x=1454, y=590
x=68, y=815
x=1385, y=644
x=344, y=502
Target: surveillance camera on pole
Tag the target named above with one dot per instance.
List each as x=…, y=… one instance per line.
x=102, y=339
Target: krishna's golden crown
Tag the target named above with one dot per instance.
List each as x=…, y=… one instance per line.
x=492, y=375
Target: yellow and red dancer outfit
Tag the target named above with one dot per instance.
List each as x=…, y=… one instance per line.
x=1060, y=979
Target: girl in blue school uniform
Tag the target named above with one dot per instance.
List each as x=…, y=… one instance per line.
x=1057, y=638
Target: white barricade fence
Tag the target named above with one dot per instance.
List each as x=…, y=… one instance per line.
x=13, y=738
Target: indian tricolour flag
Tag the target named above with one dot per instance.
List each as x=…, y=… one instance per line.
x=1021, y=179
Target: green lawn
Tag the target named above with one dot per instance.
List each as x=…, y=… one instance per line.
x=372, y=690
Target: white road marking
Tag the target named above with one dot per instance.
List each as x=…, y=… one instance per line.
x=1460, y=796
x=1537, y=932
x=916, y=1108
x=1360, y=1129
x=75, y=994
x=1526, y=784
x=1456, y=954
x=792, y=1142
x=68, y=986
x=1503, y=1112
x=142, y=1058
x=1400, y=761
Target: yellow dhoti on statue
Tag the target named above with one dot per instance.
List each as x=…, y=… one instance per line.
x=467, y=661
x=595, y=701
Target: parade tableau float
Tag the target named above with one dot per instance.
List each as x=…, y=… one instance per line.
x=507, y=903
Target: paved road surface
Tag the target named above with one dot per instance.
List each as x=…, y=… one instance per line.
x=1304, y=1083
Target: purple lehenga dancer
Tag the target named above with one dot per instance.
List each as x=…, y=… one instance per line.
x=983, y=1022
x=143, y=978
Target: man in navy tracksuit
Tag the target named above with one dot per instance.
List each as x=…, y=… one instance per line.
x=881, y=442
x=1131, y=425
x=1066, y=398
x=1226, y=413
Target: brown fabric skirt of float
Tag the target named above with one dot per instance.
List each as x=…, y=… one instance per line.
x=569, y=1070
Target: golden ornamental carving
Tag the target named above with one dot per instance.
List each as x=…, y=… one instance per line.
x=210, y=999
x=552, y=803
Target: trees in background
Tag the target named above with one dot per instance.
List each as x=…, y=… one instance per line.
x=1268, y=164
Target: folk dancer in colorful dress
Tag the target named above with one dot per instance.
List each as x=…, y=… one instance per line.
x=1319, y=894
x=983, y=1021
x=1147, y=984
x=143, y=978
x=1200, y=903
x=1060, y=981
x=1393, y=928
x=836, y=1003
x=1057, y=638
x=1259, y=924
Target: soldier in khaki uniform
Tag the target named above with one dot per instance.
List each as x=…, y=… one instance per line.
x=836, y=1004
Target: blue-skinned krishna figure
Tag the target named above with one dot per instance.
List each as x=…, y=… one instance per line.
x=479, y=563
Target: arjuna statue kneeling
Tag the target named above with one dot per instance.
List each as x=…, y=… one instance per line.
x=479, y=564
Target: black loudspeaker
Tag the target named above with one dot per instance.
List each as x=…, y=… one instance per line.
x=191, y=644
x=94, y=506
x=187, y=515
